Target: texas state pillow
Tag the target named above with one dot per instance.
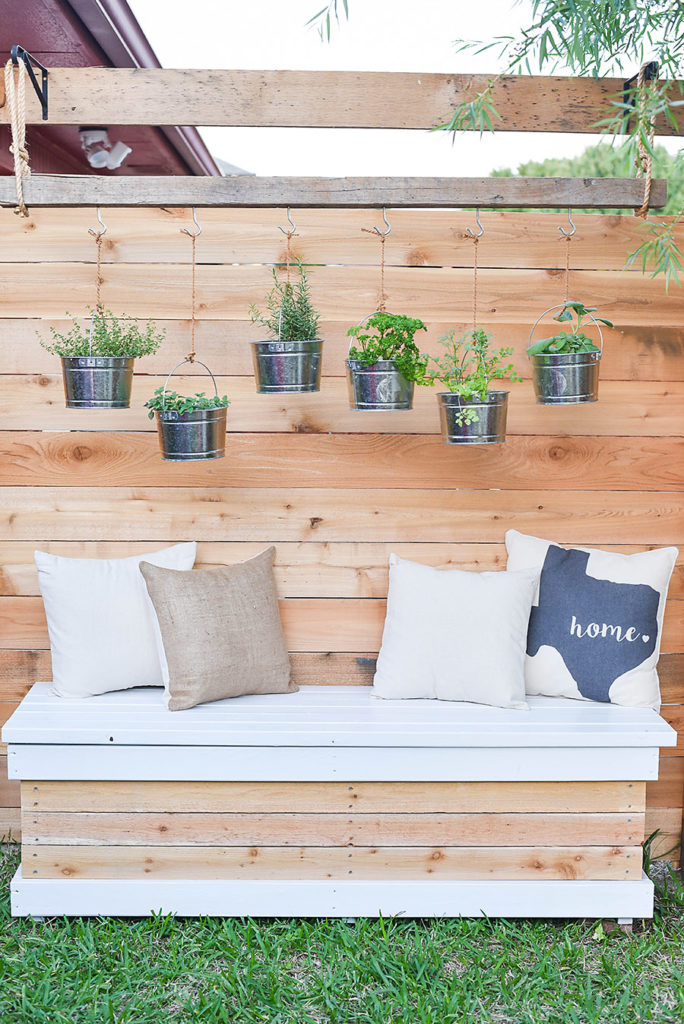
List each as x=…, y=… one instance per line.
x=596, y=622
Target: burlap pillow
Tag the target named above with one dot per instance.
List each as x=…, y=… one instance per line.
x=220, y=630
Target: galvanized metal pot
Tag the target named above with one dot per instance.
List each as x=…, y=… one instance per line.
x=192, y=436
x=488, y=428
x=378, y=388
x=287, y=366
x=97, y=382
x=565, y=378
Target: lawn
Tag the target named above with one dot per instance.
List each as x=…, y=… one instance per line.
x=370, y=972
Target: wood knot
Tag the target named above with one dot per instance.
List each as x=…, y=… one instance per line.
x=557, y=452
x=81, y=453
x=315, y=520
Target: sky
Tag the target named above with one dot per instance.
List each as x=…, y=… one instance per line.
x=381, y=35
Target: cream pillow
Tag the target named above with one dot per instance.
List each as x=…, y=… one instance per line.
x=455, y=635
x=101, y=621
x=596, y=622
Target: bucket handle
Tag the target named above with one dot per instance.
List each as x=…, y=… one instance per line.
x=362, y=321
x=562, y=305
x=199, y=363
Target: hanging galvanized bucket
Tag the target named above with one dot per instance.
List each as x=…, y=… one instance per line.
x=97, y=382
x=192, y=436
x=488, y=428
x=287, y=366
x=565, y=378
x=378, y=388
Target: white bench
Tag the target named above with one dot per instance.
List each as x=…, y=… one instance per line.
x=330, y=802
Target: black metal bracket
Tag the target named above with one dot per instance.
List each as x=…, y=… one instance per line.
x=651, y=71
x=19, y=53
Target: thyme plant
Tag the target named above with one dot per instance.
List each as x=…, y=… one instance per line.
x=390, y=336
x=290, y=315
x=467, y=367
x=112, y=335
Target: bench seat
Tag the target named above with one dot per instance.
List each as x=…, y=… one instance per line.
x=331, y=802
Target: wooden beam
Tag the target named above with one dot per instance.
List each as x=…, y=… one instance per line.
x=318, y=99
x=246, y=190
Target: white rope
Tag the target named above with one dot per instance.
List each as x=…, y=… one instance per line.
x=15, y=91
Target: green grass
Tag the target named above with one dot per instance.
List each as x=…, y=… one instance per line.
x=163, y=971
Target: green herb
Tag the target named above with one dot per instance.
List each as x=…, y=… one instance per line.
x=467, y=367
x=171, y=401
x=111, y=336
x=290, y=316
x=392, y=338
x=569, y=341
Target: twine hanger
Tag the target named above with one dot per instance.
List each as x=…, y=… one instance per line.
x=98, y=235
x=15, y=91
x=382, y=305
x=567, y=237
x=193, y=236
x=289, y=232
x=476, y=241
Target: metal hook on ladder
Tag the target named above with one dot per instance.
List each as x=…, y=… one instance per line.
x=480, y=233
x=568, y=234
x=193, y=234
x=98, y=234
x=383, y=234
x=292, y=228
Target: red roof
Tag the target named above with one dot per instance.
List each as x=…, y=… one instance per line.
x=89, y=33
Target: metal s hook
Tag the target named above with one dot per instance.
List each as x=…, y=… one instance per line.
x=98, y=234
x=383, y=234
x=568, y=234
x=292, y=228
x=193, y=234
x=480, y=233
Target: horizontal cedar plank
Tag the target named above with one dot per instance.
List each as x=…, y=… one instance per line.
x=669, y=822
x=19, y=670
x=302, y=570
x=10, y=824
x=626, y=408
x=10, y=791
x=674, y=714
x=275, y=514
x=334, y=797
x=310, y=624
x=418, y=238
x=340, y=293
x=328, y=830
x=7, y=708
x=353, y=192
x=631, y=352
x=347, y=461
x=335, y=99
x=668, y=789
x=474, y=863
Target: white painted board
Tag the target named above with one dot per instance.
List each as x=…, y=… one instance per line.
x=195, y=898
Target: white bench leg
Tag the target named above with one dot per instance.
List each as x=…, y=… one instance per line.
x=625, y=924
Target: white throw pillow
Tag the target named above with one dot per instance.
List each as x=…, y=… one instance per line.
x=597, y=620
x=101, y=620
x=455, y=635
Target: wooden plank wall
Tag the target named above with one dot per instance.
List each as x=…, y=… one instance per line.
x=335, y=490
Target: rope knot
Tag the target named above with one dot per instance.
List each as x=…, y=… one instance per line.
x=15, y=91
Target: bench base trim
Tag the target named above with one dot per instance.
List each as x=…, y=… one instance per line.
x=196, y=898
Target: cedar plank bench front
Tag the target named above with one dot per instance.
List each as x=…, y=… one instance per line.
x=331, y=802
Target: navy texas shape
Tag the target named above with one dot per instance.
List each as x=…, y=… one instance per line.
x=565, y=591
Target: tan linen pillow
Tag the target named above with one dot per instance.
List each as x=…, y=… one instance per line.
x=220, y=630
